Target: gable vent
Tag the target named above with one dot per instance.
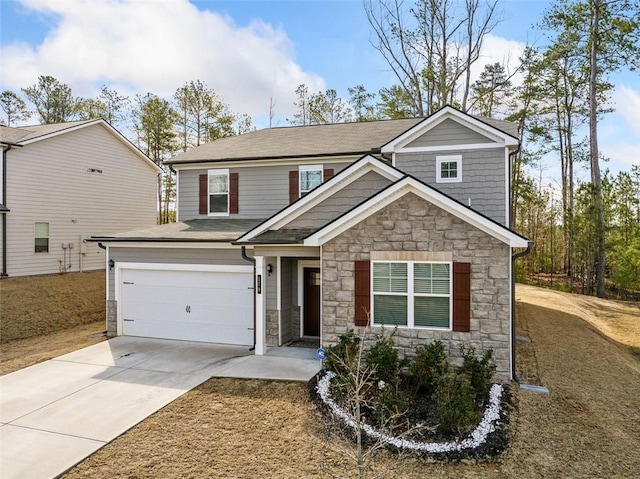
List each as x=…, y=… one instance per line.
x=94, y=170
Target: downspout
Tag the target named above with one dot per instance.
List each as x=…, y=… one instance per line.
x=4, y=215
x=243, y=251
x=513, y=308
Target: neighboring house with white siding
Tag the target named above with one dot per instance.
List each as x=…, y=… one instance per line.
x=302, y=233
x=63, y=183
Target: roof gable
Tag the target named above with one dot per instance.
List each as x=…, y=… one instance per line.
x=411, y=185
x=35, y=133
x=345, y=177
x=461, y=128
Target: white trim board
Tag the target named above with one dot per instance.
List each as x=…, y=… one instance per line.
x=212, y=268
x=452, y=148
x=176, y=245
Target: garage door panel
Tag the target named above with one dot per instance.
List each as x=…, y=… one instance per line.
x=188, y=305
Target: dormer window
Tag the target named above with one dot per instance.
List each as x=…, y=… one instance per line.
x=449, y=169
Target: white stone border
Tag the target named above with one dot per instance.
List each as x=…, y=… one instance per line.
x=474, y=440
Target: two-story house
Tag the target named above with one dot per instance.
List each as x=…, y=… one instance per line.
x=63, y=183
x=307, y=232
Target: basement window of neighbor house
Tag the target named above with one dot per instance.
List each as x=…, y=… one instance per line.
x=41, y=237
x=218, y=192
x=449, y=169
x=412, y=294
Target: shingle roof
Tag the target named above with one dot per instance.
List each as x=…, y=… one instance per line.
x=294, y=141
x=283, y=236
x=12, y=135
x=198, y=230
x=24, y=133
x=357, y=138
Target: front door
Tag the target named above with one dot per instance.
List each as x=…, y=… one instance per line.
x=311, y=302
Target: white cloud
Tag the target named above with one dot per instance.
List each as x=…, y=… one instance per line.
x=140, y=46
x=501, y=50
x=627, y=103
x=620, y=139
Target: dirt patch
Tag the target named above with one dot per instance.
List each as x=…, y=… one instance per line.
x=35, y=306
x=619, y=320
x=21, y=353
x=44, y=317
x=588, y=426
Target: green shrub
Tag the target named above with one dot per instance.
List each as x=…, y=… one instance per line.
x=429, y=364
x=479, y=371
x=341, y=357
x=454, y=400
x=388, y=402
x=382, y=358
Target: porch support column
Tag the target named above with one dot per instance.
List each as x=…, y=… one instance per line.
x=279, y=296
x=261, y=306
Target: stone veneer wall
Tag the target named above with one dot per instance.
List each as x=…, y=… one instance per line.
x=413, y=224
x=112, y=318
x=272, y=327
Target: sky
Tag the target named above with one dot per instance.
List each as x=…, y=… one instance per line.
x=249, y=52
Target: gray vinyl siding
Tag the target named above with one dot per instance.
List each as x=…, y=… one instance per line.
x=342, y=201
x=483, y=178
x=449, y=132
x=271, y=284
x=173, y=256
x=262, y=190
x=47, y=181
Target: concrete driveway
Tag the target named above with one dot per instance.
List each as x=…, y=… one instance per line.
x=56, y=413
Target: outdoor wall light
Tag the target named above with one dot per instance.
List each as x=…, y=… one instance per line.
x=269, y=269
x=111, y=264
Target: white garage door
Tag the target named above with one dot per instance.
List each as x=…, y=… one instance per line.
x=208, y=306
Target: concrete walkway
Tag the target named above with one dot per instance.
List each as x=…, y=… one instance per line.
x=56, y=413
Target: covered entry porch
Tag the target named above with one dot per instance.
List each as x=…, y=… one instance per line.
x=288, y=292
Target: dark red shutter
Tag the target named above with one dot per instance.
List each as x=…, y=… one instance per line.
x=294, y=185
x=233, y=193
x=328, y=173
x=362, y=293
x=203, y=204
x=462, y=297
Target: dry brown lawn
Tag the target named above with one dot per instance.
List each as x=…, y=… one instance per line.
x=587, y=427
x=46, y=316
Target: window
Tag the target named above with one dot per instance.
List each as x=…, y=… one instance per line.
x=218, y=192
x=412, y=294
x=310, y=177
x=449, y=169
x=41, y=237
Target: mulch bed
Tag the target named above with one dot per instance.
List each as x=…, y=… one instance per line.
x=495, y=443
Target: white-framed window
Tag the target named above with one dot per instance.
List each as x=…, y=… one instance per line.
x=413, y=294
x=449, y=169
x=310, y=176
x=218, y=192
x=41, y=236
